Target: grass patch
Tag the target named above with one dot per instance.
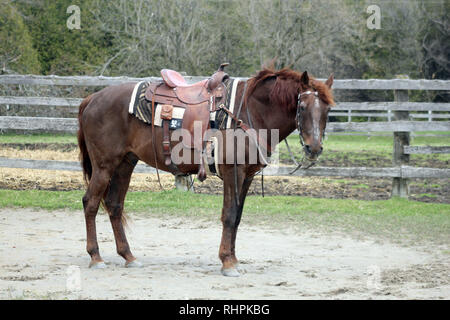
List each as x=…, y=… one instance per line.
x=37, y=138
x=394, y=217
x=174, y=201
x=397, y=219
x=360, y=186
x=340, y=181
x=425, y=185
x=371, y=150
x=358, y=148
x=428, y=195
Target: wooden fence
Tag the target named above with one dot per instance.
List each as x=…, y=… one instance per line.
x=403, y=118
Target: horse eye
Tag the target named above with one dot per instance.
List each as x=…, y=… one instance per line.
x=302, y=105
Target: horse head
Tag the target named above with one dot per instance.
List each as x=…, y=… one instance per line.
x=314, y=101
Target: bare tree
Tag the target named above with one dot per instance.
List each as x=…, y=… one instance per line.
x=297, y=33
x=436, y=39
x=149, y=35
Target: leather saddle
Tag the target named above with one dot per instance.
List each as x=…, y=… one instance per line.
x=198, y=99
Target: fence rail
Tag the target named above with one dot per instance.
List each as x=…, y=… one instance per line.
x=387, y=172
x=340, y=106
x=425, y=149
x=70, y=125
x=347, y=84
x=400, y=114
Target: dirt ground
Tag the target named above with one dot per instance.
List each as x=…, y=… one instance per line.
x=42, y=256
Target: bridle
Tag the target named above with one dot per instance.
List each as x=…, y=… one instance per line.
x=298, y=123
x=298, y=115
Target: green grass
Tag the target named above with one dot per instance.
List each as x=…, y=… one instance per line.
x=332, y=142
x=425, y=185
x=397, y=219
x=360, y=186
x=178, y=202
x=360, y=148
x=428, y=195
x=339, y=181
x=37, y=138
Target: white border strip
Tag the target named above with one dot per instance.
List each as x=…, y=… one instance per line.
x=233, y=99
x=133, y=97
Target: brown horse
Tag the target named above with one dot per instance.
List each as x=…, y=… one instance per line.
x=111, y=141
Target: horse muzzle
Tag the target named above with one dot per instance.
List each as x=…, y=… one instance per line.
x=312, y=152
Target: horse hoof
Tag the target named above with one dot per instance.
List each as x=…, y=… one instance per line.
x=97, y=265
x=201, y=176
x=133, y=264
x=230, y=272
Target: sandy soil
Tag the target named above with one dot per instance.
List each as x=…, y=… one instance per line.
x=40, y=251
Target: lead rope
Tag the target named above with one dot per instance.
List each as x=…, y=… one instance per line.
x=262, y=182
x=191, y=187
x=290, y=152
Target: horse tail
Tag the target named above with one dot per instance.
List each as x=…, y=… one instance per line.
x=84, y=155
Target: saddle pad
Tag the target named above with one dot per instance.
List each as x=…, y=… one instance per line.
x=211, y=156
x=141, y=108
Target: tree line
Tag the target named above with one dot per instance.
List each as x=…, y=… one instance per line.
x=140, y=37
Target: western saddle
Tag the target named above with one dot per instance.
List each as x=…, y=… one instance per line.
x=198, y=99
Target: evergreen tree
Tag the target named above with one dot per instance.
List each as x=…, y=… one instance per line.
x=61, y=50
x=17, y=54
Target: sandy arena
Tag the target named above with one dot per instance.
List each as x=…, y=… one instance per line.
x=41, y=253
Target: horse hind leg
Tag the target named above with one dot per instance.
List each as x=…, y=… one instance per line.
x=91, y=201
x=114, y=199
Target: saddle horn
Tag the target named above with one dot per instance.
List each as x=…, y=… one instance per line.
x=222, y=66
x=218, y=77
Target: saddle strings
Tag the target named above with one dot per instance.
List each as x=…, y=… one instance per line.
x=153, y=136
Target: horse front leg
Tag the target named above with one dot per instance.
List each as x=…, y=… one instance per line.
x=242, y=196
x=231, y=216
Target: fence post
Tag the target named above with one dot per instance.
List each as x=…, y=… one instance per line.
x=400, y=186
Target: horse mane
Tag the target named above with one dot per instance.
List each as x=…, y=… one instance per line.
x=287, y=85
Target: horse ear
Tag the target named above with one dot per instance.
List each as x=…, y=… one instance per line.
x=304, y=78
x=329, y=82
